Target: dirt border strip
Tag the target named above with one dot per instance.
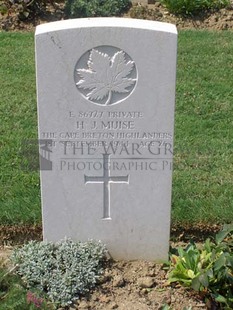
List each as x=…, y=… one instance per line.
x=19, y=234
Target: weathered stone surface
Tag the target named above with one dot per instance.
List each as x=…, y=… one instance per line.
x=106, y=92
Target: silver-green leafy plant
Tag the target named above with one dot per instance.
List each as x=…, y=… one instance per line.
x=63, y=270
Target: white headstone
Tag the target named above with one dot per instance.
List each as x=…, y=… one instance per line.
x=106, y=92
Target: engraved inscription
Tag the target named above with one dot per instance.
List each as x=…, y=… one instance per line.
x=106, y=179
x=106, y=78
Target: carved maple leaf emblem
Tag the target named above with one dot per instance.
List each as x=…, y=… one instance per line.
x=106, y=75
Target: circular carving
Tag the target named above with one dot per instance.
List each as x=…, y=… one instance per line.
x=105, y=75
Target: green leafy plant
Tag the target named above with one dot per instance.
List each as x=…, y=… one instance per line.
x=25, y=9
x=208, y=269
x=61, y=271
x=3, y=8
x=94, y=8
x=193, y=7
x=166, y=307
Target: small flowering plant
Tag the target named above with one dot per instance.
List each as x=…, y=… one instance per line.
x=32, y=298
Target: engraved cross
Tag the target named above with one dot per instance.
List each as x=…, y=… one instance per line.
x=106, y=179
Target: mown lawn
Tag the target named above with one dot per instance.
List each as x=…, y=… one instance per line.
x=203, y=162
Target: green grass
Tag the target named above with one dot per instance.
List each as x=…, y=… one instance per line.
x=13, y=294
x=202, y=182
x=19, y=196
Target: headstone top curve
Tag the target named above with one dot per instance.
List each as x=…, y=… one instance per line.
x=105, y=22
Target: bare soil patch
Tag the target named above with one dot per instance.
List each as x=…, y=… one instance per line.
x=133, y=285
x=138, y=285
x=213, y=20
